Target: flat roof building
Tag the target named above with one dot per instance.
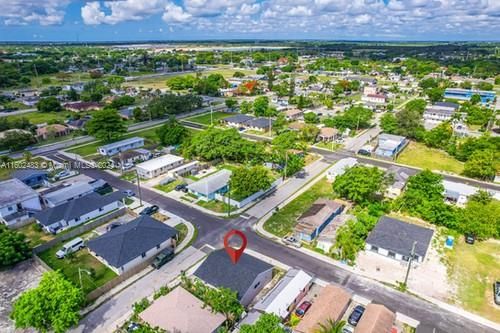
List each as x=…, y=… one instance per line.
x=121, y=146
x=158, y=166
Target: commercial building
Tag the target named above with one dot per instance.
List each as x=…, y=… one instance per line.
x=121, y=146
x=395, y=239
x=132, y=243
x=466, y=94
x=158, y=166
x=17, y=202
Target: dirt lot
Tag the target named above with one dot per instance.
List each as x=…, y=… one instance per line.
x=13, y=282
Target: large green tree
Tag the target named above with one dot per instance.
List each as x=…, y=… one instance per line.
x=106, y=125
x=482, y=164
x=481, y=216
x=49, y=104
x=246, y=181
x=360, y=184
x=16, y=140
x=439, y=136
x=52, y=306
x=172, y=133
x=14, y=247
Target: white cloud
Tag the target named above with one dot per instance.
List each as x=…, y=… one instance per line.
x=23, y=12
x=175, y=14
x=120, y=11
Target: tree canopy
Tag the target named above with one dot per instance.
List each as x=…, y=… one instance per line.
x=360, y=184
x=172, y=133
x=246, y=181
x=106, y=125
x=14, y=247
x=267, y=323
x=49, y=104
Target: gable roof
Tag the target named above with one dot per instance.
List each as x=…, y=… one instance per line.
x=77, y=207
x=180, y=311
x=331, y=303
x=128, y=241
x=238, y=119
x=398, y=236
x=218, y=271
x=376, y=319
x=25, y=174
x=13, y=191
x=211, y=183
x=74, y=190
x=317, y=214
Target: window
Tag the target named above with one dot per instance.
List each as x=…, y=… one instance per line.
x=143, y=254
x=406, y=258
x=257, y=285
x=101, y=209
x=392, y=254
x=158, y=246
x=10, y=208
x=374, y=248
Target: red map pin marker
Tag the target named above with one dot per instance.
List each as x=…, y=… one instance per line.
x=233, y=253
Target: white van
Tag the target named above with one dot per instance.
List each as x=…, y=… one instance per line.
x=70, y=247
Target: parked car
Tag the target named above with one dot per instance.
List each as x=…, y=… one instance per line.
x=133, y=327
x=355, y=315
x=301, y=174
x=496, y=291
x=128, y=193
x=112, y=225
x=162, y=258
x=470, y=238
x=290, y=240
x=302, y=309
x=128, y=166
x=348, y=329
x=150, y=210
x=70, y=247
x=62, y=174
x=181, y=187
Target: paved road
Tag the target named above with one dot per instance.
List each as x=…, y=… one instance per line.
x=13, y=113
x=107, y=316
x=212, y=229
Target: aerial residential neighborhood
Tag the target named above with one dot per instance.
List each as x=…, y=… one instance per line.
x=251, y=167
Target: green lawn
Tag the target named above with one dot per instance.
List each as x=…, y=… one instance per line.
x=205, y=119
x=417, y=154
x=168, y=187
x=474, y=269
x=216, y=206
x=35, y=235
x=82, y=259
x=283, y=222
x=183, y=231
x=36, y=117
x=328, y=145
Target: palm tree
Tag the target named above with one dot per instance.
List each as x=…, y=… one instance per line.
x=27, y=156
x=331, y=326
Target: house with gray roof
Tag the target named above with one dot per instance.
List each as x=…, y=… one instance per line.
x=390, y=145
x=130, y=244
x=260, y=124
x=78, y=211
x=394, y=239
x=17, y=202
x=76, y=190
x=316, y=218
x=121, y=146
x=32, y=177
x=238, y=120
x=247, y=277
x=206, y=188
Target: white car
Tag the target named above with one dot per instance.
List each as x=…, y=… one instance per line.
x=70, y=247
x=290, y=240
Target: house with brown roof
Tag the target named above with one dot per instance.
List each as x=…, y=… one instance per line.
x=296, y=126
x=180, y=311
x=328, y=134
x=316, y=218
x=293, y=114
x=376, y=319
x=331, y=303
x=52, y=131
x=82, y=106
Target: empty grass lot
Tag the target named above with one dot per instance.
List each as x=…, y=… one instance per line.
x=205, y=119
x=283, y=222
x=82, y=259
x=216, y=206
x=35, y=234
x=474, y=269
x=36, y=117
x=417, y=154
x=169, y=187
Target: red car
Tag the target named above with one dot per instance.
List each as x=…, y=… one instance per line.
x=302, y=309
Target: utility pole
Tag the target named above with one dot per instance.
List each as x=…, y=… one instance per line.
x=139, y=187
x=412, y=255
x=211, y=114
x=229, y=200
x=286, y=164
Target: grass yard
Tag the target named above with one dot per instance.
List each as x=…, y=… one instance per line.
x=169, y=187
x=216, y=206
x=328, y=145
x=205, y=119
x=283, y=222
x=474, y=269
x=82, y=259
x=183, y=231
x=35, y=234
x=36, y=117
x=417, y=154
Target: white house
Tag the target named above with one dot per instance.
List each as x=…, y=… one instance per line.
x=132, y=243
x=17, y=200
x=458, y=193
x=57, y=196
x=158, y=166
x=121, y=146
x=78, y=211
x=184, y=169
x=340, y=168
x=374, y=98
x=287, y=294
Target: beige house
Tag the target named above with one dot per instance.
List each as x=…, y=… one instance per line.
x=376, y=319
x=327, y=134
x=52, y=131
x=293, y=114
x=180, y=311
x=331, y=303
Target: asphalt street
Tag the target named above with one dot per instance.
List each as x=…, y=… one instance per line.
x=212, y=229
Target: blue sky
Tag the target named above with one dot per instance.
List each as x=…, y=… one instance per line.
x=122, y=20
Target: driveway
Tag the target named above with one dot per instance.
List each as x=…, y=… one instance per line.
x=13, y=282
x=118, y=308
